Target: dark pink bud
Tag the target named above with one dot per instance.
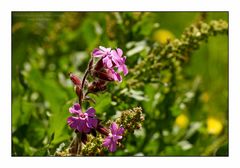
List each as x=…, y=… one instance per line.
x=103, y=75
x=75, y=80
x=78, y=91
x=99, y=65
x=102, y=130
x=97, y=86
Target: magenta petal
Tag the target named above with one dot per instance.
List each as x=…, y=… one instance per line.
x=120, y=52
x=114, y=53
x=73, y=122
x=114, y=128
x=109, y=63
x=117, y=77
x=77, y=106
x=117, y=61
x=91, y=111
x=79, y=124
x=92, y=122
x=88, y=124
x=112, y=147
x=116, y=57
x=97, y=53
x=82, y=127
x=111, y=74
x=124, y=59
x=105, y=60
x=116, y=138
x=125, y=70
x=73, y=111
x=107, y=142
x=120, y=131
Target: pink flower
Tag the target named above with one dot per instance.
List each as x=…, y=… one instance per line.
x=101, y=52
x=106, y=74
x=110, y=60
x=121, y=61
x=83, y=122
x=114, y=75
x=113, y=59
x=112, y=139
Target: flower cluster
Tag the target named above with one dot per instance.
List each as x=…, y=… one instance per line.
x=109, y=64
x=110, y=60
x=86, y=122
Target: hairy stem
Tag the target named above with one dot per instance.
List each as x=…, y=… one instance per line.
x=84, y=79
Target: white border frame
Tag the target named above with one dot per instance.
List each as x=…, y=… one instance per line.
x=6, y=6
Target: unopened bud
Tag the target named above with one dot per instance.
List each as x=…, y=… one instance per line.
x=78, y=91
x=97, y=86
x=103, y=75
x=75, y=80
x=99, y=65
x=102, y=130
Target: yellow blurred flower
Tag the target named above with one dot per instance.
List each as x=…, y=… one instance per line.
x=182, y=121
x=162, y=36
x=214, y=126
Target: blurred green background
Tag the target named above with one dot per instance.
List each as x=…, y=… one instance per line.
x=48, y=45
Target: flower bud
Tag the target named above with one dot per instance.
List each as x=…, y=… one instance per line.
x=102, y=130
x=97, y=86
x=75, y=80
x=99, y=65
x=103, y=75
x=78, y=91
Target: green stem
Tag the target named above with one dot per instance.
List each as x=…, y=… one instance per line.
x=215, y=146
